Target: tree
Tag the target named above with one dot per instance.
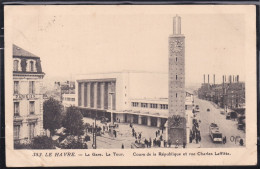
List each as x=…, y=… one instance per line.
x=73, y=122
x=43, y=142
x=52, y=115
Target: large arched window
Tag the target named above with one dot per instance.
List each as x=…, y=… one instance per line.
x=31, y=66
x=16, y=62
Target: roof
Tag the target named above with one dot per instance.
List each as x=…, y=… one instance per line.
x=17, y=51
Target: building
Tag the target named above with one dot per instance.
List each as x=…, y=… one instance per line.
x=128, y=96
x=177, y=94
x=27, y=96
x=68, y=100
x=229, y=94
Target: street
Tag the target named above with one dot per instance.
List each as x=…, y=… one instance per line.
x=124, y=132
x=227, y=127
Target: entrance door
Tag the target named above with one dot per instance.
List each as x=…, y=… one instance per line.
x=135, y=119
x=125, y=115
x=144, y=120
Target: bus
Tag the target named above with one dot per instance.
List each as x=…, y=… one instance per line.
x=214, y=133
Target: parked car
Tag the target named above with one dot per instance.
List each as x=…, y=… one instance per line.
x=208, y=109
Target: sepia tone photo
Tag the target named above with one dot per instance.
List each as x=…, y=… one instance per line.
x=130, y=79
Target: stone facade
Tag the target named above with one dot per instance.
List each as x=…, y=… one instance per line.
x=27, y=96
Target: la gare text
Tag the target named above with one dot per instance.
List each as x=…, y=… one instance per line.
x=73, y=154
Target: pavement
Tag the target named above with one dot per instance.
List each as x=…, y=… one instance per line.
x=124, y=135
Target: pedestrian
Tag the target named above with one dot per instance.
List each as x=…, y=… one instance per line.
x=224, y=140
x=156, y=134
x=123, y=146
x=115, y=133
x=161, y=137
x=150, y=142
x=184, y=144
x=241, y=142
x=159, y=143
x=190, y=139
x=164, y=143
x=140, y=135
x=169, y=143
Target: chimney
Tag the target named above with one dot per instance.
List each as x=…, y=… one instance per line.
x=208, y=78
x=237, y=78
x=214, y=79
x=204, y=78
x=230, y=78
x=233, y=79
x=225, y=78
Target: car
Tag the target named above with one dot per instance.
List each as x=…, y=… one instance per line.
x=208, y=109
x=222, y=112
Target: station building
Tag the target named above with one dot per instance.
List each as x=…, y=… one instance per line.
x=128, y=96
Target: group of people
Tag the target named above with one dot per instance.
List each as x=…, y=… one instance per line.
x=158, y=141
x=195, y=132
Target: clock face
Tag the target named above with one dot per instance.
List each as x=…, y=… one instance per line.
x=176, y=46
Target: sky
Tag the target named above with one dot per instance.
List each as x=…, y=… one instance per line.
x=77, y=40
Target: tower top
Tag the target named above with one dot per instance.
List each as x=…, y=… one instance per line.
x=177, y=25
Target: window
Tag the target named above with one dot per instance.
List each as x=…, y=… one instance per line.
x=135, y=104
x=186, y=107
x=176, y=59
x=16, y=132
x=31, y=87
x=164, y=106
x=154, y=106
x=16, y=87
x=32, y=107
x=144, y=104
x=31, y=130
x=31, y=66
x=176, y=95
x=16, y=109
x=176, y=77
x=16, y=65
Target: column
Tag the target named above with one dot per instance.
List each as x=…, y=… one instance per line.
x=95, y=95
x=109, y=95
x=102, y=94
x=158, y=122
x=139, y=119
x=82, y=94
x=88, y=94
x=85, y=95
x=148, y=121
x=111, y=106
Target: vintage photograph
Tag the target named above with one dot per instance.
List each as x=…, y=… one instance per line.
x=128, y=78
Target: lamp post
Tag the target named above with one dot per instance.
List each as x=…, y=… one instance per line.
x=95, y=132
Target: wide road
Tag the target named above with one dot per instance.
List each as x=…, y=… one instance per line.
x=227, y=127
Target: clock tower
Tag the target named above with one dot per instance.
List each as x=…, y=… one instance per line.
x=176, y=95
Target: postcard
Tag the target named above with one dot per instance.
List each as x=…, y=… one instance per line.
x=130, y=85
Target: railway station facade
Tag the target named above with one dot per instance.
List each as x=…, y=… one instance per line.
x=136, y=97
